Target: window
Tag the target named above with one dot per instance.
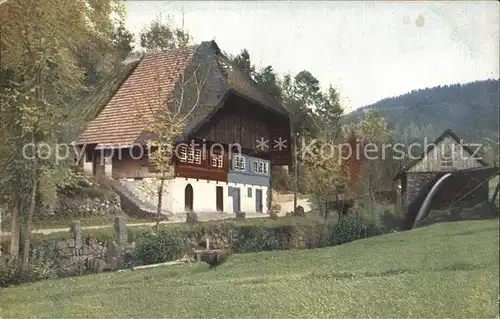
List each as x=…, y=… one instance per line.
x=446, y=157
x=260, y=167
x=239, y=163
x=249, y=192
x=217, y=160
x=182, y=154
x=446, y=162
x=190, y=155
x=197, y=156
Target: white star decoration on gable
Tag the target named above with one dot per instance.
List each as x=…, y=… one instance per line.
x=262, y=144
x=280, y=144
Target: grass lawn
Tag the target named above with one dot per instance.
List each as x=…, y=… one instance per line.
x=444, y=270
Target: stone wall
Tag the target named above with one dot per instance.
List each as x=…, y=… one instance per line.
x=80, y=254
x=414, y=182
x=84, y=205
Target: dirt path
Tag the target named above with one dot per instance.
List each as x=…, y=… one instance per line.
x=285, y=201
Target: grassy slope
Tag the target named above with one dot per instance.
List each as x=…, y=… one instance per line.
x=445, y=270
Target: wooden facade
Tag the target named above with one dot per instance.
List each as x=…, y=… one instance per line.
x=448, y=155
x=244, y=123
x=200, y=163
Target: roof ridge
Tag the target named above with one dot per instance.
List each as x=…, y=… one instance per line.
x=171, y=50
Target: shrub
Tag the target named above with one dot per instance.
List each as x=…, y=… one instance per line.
x=254, y=238
x=11, y=273
x=280, y=179
x=390, y=221
x=8, y=271
x=157, y=248
x=353, y=228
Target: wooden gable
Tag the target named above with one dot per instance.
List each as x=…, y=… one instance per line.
x=446, y=154
x=244, y=123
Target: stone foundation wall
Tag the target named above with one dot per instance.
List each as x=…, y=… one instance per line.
x=80, y=255
x=414, y=182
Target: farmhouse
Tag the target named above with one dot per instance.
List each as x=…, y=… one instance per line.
x=466, y=188
x=232, y=135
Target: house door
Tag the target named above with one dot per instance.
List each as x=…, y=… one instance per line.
x=258, y=200
x=219, y=199
x=234, y=192
x=188, y=198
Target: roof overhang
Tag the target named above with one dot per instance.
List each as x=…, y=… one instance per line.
x=267, y=107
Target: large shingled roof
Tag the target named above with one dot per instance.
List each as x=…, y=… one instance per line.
x=124, y=118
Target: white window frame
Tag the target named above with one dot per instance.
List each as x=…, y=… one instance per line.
x=197, y=156
x=265, y=168
x=190, y=155
x=217, y=160
x=239, y=163
x=261, y=167
x=183, y=154
x=255, y=166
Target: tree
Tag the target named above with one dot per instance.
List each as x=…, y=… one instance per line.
x=327, y=175
x=328, y=111
x=374, y=130
x=301, y=95
x=39, y=41
x=243, y=62
x=160, y=37
x=166, y=119
x=268, y=81
x=122, y=41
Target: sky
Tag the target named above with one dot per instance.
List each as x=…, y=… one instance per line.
x=366, y=50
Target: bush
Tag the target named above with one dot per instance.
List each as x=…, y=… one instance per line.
x=390, y=221
x=11, y=273
x=353, y=228
x=280, y=179
x=254, y=239
x=157, y=248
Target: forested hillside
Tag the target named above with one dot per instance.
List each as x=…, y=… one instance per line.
x=470, y=110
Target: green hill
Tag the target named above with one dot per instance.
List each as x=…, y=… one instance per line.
x=445, y=270
x=470, y=110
